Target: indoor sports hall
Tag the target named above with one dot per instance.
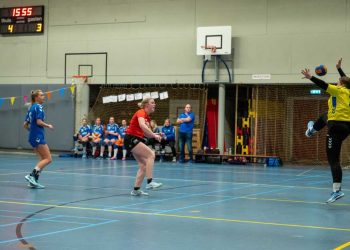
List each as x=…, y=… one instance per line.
x=174, y=124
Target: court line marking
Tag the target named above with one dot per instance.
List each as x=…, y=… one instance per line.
x=228, y=199
x=193, y=180
x=29, y=221
x=295, y=201
x=307, y=171
x=345, y=245
x=178, y=198
x=14, y=173
x=186, y=217
x=57, y=232
x=61, y=215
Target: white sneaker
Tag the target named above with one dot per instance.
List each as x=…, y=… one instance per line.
x=153, y=185
x=138, y=193
x=174, y=159
x=310, y=129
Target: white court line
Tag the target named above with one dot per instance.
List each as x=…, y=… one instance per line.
x=304, y=172
x=14, y=173
x=199, y=181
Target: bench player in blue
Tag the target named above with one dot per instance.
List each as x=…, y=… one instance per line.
x=84, y=135
x=97, y=137
x=35, y=124
x=112, y=134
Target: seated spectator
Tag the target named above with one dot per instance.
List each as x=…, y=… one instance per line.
x=168, y=132
x=84, y=135
x=97, y=137
x=120, y=141
x=112, y=134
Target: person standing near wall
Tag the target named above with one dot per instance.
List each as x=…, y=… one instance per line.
x=186, y=122
x=139, y=127
x=35, y=124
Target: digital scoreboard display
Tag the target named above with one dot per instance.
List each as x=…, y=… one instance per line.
x=22, y=20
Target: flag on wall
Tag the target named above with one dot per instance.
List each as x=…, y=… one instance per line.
x=62, y=92
x=72, y=89
x=49, y=95
x=1, y=101
x=12, y=100
x=25, y=99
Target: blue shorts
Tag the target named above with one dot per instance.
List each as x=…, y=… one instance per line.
x=35, y=142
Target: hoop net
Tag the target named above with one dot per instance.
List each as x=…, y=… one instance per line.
x=81, y=78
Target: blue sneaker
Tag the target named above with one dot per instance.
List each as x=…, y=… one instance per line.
x=335, y=196
x=310, y=129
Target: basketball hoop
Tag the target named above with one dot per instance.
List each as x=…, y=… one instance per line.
x=83, y=78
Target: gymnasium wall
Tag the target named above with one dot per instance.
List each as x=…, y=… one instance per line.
x=153, y=41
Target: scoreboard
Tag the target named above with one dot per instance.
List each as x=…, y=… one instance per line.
x=22, y=20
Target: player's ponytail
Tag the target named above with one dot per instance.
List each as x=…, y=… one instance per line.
x=144, y=102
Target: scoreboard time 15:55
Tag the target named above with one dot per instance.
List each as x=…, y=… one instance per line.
x=22, y=20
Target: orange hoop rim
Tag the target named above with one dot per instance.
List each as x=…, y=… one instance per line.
x=211, y=47
x=84, y=77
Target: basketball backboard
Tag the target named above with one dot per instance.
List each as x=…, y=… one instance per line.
x=214, y=40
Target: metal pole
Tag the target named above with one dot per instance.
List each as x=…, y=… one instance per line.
x=221, y=117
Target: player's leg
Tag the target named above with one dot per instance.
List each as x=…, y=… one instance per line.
x=337, y=132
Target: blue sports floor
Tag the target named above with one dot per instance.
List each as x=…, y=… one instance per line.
x=87, y=205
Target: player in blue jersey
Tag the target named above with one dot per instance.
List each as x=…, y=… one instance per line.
x=168, y=133
x=120, y=141
x=84, y=135
x=35, y=124
x=97, y=137
x=112, y=134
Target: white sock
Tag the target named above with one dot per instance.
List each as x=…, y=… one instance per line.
x=109, y=154
x=336, y=186
x=37, y=168
x=115, y=152
x=93, y=151
x=84, y=150
x=124, y=153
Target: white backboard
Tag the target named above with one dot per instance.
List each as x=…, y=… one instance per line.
x=218, y=36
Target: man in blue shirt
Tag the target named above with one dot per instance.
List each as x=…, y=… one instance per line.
x=84, y=135
x=186, y=122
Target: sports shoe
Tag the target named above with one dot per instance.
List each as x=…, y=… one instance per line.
x=153, y=185
x=310, y=129
x=138, y=193
x=84, y=156
x=174, y=159
x=31, y=180
x=113, y=158
x=123, y=159
x=335, y=196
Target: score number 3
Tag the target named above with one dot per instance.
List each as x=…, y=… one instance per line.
x=39, y=27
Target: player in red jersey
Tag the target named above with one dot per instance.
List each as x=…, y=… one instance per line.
x=134, y=142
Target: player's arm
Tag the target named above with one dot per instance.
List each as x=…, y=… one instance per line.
x=41, y=123
x=338, y=65
x=315, y=80
x=148, y=132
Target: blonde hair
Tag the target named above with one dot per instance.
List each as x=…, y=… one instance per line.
x=144, y=102
x=34, y=94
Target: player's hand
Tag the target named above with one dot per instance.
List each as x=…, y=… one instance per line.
x=306, y=73
x=338, y=65
x=157, y=137
x=50, y=126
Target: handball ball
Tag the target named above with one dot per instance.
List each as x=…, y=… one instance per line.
x=321, y=70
